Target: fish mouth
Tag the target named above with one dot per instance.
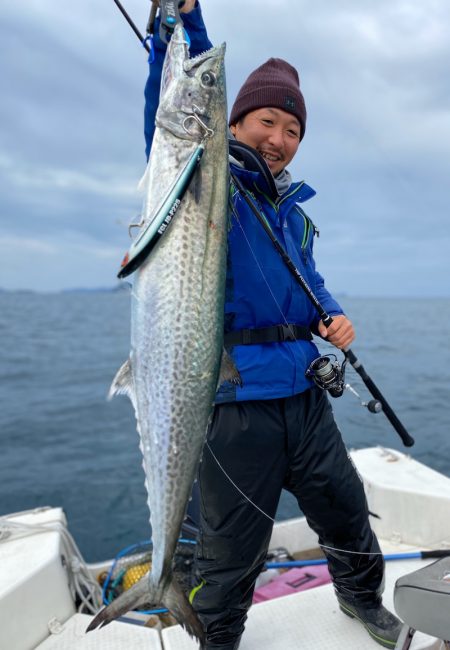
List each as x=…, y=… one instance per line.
x=217, y=53
x=189, y=64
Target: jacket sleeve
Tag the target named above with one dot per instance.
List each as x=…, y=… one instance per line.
x=195, y=27
x=325, y=298
x=331, y=306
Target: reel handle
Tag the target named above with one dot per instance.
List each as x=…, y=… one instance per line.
x=374, y=406
x=407, y=440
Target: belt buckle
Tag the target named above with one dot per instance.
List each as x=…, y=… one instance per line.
x=286, y=333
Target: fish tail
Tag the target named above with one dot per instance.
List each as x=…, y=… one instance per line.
x=134, y=597
x=177, y=602
x=173, y=597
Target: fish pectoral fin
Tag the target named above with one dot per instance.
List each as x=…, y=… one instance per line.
x=123, y=383
x=228, y=370
x=136, y=596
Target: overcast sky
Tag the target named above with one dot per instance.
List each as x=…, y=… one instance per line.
x=375, y=76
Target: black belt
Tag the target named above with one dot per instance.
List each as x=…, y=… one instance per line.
x=273, y=334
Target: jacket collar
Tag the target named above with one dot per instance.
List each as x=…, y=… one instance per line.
x=254, y=172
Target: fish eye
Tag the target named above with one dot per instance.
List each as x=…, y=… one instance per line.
x=208, y=79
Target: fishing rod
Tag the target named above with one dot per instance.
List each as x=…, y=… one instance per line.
x=324, y=372
x=141, y=38
x=414, y=555
x=169, y=18
x=290, y=564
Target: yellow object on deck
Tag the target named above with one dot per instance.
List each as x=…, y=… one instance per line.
x=134, y=574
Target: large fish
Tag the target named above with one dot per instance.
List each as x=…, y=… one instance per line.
x=177, y=313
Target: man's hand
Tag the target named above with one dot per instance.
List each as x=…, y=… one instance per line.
x=340, y=333
x=187, y=7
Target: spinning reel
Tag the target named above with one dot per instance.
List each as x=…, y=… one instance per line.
x=329, y=374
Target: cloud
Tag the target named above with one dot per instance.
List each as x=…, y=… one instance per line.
x=377, y=146
x=52, y=263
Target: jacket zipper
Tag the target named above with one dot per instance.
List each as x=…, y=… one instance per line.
x=276, y=205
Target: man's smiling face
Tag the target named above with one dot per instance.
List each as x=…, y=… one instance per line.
x=274, y=133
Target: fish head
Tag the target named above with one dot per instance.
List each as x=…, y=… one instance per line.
x=192, y=101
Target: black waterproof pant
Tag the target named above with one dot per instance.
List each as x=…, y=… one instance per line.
x=264, y=446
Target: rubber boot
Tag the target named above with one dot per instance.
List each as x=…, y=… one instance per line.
x=381, y=624
x=214, y=646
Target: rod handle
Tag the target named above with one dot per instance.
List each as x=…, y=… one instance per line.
x=440, y=552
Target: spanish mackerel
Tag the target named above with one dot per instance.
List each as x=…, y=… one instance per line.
x=177, y=313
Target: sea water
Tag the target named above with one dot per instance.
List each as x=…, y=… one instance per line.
x=63, y=444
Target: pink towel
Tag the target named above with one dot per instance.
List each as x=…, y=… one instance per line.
x=293, y=581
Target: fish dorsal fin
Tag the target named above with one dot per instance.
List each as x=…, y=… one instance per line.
x=123, y=383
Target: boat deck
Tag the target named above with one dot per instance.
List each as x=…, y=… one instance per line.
x=116, y=636
x=411, y=501
x=310, y=620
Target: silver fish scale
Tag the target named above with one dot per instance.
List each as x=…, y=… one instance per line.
x=177, y=333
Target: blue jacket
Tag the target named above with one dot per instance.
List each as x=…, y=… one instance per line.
x=260, y=291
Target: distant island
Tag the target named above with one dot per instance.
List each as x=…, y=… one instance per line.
x=119, y=288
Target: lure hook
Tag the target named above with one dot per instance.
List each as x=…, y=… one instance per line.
x=208, y=133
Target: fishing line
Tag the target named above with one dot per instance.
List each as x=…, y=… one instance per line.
x=283, y=316
x=150, y=50
x=259, y=266
x=334, y=379
x=238, y=488
x=237, y=193
x=343, y=550
x=329, y=548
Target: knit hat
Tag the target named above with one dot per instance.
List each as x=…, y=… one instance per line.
x=274, y=84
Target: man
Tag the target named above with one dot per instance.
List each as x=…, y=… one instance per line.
x=277, y=430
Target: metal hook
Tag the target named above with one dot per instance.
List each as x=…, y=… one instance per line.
x=208, y=133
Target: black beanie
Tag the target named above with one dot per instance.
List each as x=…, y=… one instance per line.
x=274, y=84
